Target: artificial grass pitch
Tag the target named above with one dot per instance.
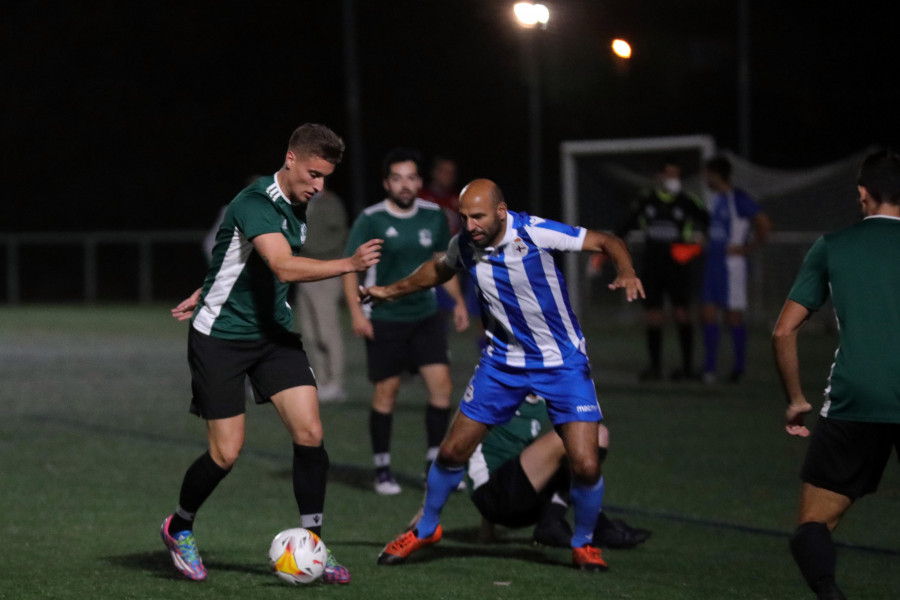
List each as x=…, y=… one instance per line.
x=95, y=437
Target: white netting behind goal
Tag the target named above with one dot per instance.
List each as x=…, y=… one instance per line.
x=601, y=178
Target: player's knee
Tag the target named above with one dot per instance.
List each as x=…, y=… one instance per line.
x=440, y=401
x=452, y=454
x=385, y=397
x=586, y=469
x=309, y=435
x=225, y=455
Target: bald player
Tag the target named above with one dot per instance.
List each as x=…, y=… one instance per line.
x=535, y=345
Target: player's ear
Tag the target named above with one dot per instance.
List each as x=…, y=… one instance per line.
x=501, y=210
x=384, y=184
x=864, y=199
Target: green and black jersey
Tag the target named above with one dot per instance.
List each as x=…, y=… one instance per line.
x=507, y=441
x=410, y=238
x=241, y=298
x=858, y=268
x=666, y=218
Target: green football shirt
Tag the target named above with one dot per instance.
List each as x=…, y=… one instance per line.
x=241, y=298
x=507, y=441
x=409, y=240
x=859, y=267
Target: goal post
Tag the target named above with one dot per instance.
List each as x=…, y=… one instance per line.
x=600, y=178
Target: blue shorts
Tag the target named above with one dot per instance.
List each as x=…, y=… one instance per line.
x=725, y=282
x=495, y=392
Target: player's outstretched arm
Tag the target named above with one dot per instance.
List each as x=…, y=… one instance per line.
x=615, y=248
x=186, y=307
x=784, y=344
x=428, y=275
x=275, y=250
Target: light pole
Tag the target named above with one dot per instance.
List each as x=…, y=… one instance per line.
x=531, y=16
x=354, y=111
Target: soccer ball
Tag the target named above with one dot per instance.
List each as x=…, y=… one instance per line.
x=298, y=555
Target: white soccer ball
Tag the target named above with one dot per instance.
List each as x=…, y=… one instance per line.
x=298, y=555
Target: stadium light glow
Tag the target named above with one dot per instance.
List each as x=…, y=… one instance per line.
x=621, y=48
x=529, y=14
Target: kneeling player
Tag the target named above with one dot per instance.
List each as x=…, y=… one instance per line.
x=519, y=478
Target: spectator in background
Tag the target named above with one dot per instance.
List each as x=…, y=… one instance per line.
x=318, y=301
x=443, y=191
x=670, y=219
x=734, y=215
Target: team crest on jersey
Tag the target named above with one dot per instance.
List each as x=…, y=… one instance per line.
x=470, y=392
x=425, y=238
x=518, y=248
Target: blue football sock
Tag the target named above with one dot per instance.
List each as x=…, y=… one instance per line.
x=441, y=483
x=587, y=501
x=710, y=346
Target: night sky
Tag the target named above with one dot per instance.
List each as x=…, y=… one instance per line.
x=136, y=115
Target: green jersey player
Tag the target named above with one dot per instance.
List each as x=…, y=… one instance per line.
x=240, y=328
x=860, y=420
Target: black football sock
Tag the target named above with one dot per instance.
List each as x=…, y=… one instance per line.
x=380, y=425
x=654, y=347
x=436, y=422
x=814, y=552
x=686, y=340
x=310, y=474
x=200, y=480
x=555, y=510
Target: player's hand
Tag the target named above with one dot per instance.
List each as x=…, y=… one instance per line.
x=375, y=295
x=366, y=255
x=460, y=317
x=362, y=327
x=632, y=285
x=793, y=418
x=186, y=307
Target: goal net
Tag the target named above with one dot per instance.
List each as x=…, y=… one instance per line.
x=601, y=178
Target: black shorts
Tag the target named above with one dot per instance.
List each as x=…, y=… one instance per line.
x=849, y=457
x=404, y=346
x=663, y=277
x=509, y=499
x=219, y=367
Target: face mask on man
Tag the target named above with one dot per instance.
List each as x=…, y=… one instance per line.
x=672, y=185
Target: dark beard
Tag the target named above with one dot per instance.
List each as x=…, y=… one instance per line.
x=402, y=202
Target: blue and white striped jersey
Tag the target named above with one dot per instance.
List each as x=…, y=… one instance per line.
x=525, y=306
